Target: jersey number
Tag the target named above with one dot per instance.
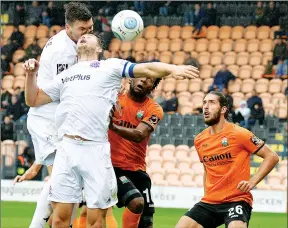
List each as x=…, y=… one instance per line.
x=148, y=197
x=237, y=209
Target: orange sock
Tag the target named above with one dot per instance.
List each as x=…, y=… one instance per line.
x=80, y=222
x=111, y=221
x=129, y=219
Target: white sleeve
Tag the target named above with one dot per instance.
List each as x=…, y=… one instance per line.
x=53, y=89
x=121, y=68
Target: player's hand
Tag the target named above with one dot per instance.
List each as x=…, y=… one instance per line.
x=18, y=179
x=185, y=71
x=245, y=186
x=31, y=66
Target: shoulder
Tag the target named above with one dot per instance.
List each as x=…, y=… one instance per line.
x=238, y=131
x=153, y=106
x=115, y=61
x=202, y=135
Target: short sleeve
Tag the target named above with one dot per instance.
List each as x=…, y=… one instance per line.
x=249, y=141
x=53, y=89
x=153, y=116
x=196, y=144
x=121, y=68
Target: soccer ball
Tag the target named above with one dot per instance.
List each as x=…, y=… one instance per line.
x=127, y=25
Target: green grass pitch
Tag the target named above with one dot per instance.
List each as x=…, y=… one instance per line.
x=18, y=215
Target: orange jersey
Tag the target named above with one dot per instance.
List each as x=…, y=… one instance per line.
x=126, y=154
x=226, y=158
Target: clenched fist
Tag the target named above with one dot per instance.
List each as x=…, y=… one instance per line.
x=31, y=66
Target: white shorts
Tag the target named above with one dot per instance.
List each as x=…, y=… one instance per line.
x=44, y=137
x=83, y=164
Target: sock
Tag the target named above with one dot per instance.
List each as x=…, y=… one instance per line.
x=80, y=222
x=43, y=209
x=129, y=219
x=111, y=221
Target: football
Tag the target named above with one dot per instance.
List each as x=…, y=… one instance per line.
x=127, y=25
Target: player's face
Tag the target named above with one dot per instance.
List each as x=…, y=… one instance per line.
x=79, y=28
x=89, y=42
x=212, y=109
x=142, y=86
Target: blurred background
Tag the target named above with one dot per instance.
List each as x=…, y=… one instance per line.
x=240, y=48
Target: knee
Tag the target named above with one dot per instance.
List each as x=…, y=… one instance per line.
x=136, y=205
x=237, y=224
x=60, y=221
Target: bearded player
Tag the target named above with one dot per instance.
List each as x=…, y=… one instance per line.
x=129, y=135
x=224, y=149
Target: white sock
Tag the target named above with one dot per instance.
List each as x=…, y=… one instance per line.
x=43, y=209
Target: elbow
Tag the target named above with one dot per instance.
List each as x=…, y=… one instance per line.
x=30, y=104
x=139, y=137
x=275, y=158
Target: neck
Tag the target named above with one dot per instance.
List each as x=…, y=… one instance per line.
x=135, y=98
x=70, y=36
x=82, y=58
x=217, y=128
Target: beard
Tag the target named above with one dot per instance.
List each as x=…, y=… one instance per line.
x=214, y=119
x=85, y=50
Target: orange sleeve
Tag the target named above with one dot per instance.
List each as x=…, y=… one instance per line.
x=196, y=144
x=153, y=115
x=249, y=141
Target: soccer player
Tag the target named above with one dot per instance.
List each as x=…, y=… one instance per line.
x=87, y=92
x=129, y=135
x=224, y=149
x=59, y=53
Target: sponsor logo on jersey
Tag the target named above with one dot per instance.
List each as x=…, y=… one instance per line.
x=76, y=77
x=95, y=64
x=140, y=115
x=218, y=159
x=256, y=141
x=61, y=67
x=225, y=142
x=124, y=123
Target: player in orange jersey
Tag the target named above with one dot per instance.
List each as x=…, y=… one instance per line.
x=134, y=121
x=224, y=149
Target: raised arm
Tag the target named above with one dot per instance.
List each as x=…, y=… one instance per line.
x=34, y=96
x=159, y=70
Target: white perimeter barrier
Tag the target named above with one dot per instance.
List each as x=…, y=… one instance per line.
x=167, y=197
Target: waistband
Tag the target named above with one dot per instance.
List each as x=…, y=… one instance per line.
x=82, y=142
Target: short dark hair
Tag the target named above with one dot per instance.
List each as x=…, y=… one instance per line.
x=76, y=11
x=223, y=102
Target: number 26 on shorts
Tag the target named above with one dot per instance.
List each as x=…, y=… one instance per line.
x=237, y=209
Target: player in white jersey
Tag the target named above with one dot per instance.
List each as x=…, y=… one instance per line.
x=59, y=53
x=87, y=91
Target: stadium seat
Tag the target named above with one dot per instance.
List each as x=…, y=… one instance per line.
x=267, y=56
x=284, y=85
x=261, y=85
x=282, y=111
x=205, y=71
x=253, y=45
x=176, y=120
x=258, y=72
x=214, y=45
x=178, y=58
x=274, y=179
x=18, y=69
x=234, y=69
x=19, y=81
x=201, y=45
x=229, y=58
x=169, y=147
x=237, y=98
x=41, y=33
x=54, y=30
x=186, y=32
x=255, y=58
x=162, y=32
x=216, y=69
x=139, y=45
x=240, y=45
x=7, y=82
x=242, y=58
x=183, y=98
x=212, y=32
x=42, y=42
x=278, y=98
x=115, y=45
x=224, y=32
x=263, y=32
x=21, y=145
x=169, y=84
x=151, y=45
x=275, y=85
x=189, y=45
x=250, y=32
x=266, y=98
x=198, y=179
x=18, y=55
x=273, y=30
x=195, y=84
x=167, y=154
x=175, y=45
x=216, y=58
x=204, y=58
x=235, y=86
x=168, y=163
x=247, y=85
x=206, y=83
x=237, y=32
x=226, y=45
x=126, y=46
x=7, y=31
x=266, y=45
x=186, y=109
x=182, y=85
x=174, y=32
x=155, y=163
x=150, y=32
x=163, y=45
x=188, y=123
x=197, y=99
x=165, y=57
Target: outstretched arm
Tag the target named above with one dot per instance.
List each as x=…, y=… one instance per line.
x=34, y=96
x=159, y=70
x=29, y=174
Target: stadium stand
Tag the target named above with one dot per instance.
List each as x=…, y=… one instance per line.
x=172, y=160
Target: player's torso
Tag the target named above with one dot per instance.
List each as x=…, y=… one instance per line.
x=125, y=153
x=58, y=55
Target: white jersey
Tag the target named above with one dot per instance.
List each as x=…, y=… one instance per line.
x=87, y=92
x=59, y=53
